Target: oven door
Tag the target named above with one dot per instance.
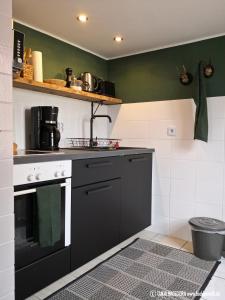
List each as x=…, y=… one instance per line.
x=27, y=248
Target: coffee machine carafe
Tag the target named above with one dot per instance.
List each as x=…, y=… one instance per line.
x=44, y=132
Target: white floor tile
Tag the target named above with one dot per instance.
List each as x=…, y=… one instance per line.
x=169, y=241
x=220, y=272
x=216, y=285
x=215, y=289
x=188, y=247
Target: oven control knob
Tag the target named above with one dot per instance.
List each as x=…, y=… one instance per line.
x=63, y=173
x=57, y=174
x=38, y=176
x=30, y=177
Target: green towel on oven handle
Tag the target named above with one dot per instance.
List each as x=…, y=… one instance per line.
x=49, y=214
x=201, y=115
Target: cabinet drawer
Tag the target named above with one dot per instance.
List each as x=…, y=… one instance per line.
x=87, y=171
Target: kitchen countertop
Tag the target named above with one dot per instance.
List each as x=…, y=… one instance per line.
x=74, y=154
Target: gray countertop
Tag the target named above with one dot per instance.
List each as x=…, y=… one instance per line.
x=72, y=154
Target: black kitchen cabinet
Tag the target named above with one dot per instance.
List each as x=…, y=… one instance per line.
x=136, y=194
x=95, y=220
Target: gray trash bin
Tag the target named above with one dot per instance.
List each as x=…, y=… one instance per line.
x=208, y=237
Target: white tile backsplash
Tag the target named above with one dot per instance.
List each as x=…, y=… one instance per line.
x=5, y=144
x=5, y=88
x=6, y=120
x=7, y=282
x=6, y=30
x=6, y=173
x=6, y=201
x=74, y=116
x=6, y=7
x=5, y=60
x=6, y=188
x=7, y=251
x=188, y=175
x=6, y=229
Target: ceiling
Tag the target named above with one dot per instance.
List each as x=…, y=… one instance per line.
x=144, y=24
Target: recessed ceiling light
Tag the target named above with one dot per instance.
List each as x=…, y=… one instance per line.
x=118, y=39
x=82, y=18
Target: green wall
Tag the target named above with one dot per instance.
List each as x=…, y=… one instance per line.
x=144, y=77
x=58, y=55
x=153, y=75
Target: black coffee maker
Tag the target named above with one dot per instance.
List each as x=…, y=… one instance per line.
x=44, y=132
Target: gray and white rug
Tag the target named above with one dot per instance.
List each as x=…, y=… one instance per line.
x=143, y=270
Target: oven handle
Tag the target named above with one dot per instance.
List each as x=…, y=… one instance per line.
x=31, y=191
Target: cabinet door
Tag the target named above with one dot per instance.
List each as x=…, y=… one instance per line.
x=136, y=194
x=95, y=220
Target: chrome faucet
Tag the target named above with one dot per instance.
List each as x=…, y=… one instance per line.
x=94, y=116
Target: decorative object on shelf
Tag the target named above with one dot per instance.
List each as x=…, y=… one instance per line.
x=76, y=84
x=37, y=64
x=58, y=82
x=186, y=78
x=28, y=69
x=69, y=73
x=18, y=53
x=209, y=69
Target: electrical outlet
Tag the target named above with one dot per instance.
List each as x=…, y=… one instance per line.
x=171, y=131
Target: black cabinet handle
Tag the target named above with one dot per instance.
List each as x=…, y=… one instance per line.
x=137, y=159
x=101, y=189
x=97, y=165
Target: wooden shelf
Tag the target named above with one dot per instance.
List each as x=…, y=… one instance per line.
x=63, y=91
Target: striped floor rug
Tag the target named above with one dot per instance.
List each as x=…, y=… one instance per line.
x=143, y=270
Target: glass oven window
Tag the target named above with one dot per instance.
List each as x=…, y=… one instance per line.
x=27, y=248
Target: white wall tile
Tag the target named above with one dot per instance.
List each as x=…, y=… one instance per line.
x=163, y=148
x=9, y=296
x=216, y=107
x=5, y=144
x=182, y=169
x=180, y=228
x=6, y=30
x=7, y=282
x=6, y=173
x=6, y=7
x=184, y=149
x=160, y=186
x=208, y=210
x=5, y=60
x=6, y=229
x=5, y=87
x=211, y=151
x=217, y=129
x=160, y=206
x=188, y=175
x=160, y=224
x=6, y=201
x=209, y=192
x=162, y=167
x=6, y=119
x=183, y=190
x=7, y=251
x=74, y=116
